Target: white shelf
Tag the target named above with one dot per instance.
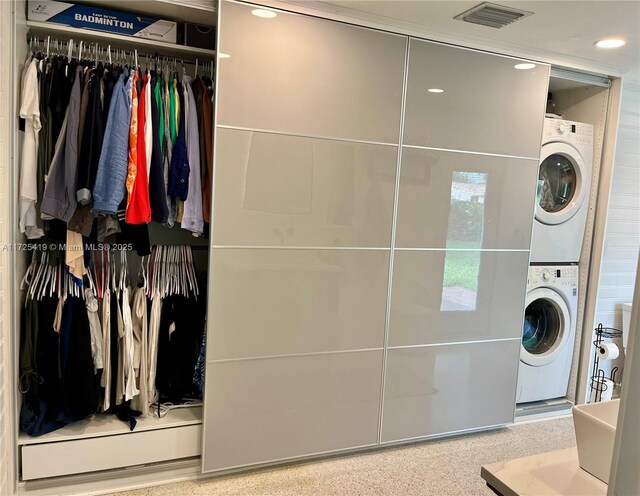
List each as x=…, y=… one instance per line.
x=109, y=425
x=121, y=41
x=196, y=11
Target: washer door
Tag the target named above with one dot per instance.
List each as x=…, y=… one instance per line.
x=546, y=328
x=561, y=191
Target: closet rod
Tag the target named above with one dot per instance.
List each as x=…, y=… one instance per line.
x=60, y=45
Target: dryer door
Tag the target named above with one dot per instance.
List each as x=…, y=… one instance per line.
x=561, y=190
x=546, y=328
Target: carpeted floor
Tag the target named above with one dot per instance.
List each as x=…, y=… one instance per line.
x=439, y=468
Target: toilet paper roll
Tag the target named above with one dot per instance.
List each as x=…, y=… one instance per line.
x=608, y=351
x=607, y=392
x=602, y=389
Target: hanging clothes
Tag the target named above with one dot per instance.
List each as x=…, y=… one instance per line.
x=192, y=219
x=157, y=191
x=179, y=170
x=130, y=389
x=30, y=112
x=198, y=373
x=132, y=164
x=79, y=382
x=140, y=337
x=138, y=206
x=152, y=360
x=180, y=337
x=206, y=145
x=95, y=328
x=92, y=136
x=59, y=199
x=55, y=177
x=42, y=408
x=106, y=350
x=109, y=189
x=167, y=95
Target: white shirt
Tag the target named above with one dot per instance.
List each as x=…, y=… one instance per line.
x=130, y=389
x=91, y=303
x=30, y=112
x=105, y=382
x=139, y=319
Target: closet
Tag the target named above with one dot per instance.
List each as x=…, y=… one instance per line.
x=365, y=268
x=109, y=371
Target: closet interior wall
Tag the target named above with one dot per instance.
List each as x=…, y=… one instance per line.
x=588, y=103
x=19, y=259
x=371, y=243
x=7, y=479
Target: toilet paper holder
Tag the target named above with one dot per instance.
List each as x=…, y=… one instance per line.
x=599, y=382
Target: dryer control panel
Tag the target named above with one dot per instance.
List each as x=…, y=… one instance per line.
x=556, y=275
x=577, y=132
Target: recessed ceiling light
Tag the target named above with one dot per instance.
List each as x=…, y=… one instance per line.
x=524, y=67
x=610, y=43
x=223, y=55
x=265, y=14
x=435, y=90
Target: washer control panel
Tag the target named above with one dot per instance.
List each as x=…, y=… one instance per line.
x=557, y=275
x=569, y=130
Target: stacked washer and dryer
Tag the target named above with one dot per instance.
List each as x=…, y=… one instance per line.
x=549, y=330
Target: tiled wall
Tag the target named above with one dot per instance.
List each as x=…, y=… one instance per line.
x=370, y=238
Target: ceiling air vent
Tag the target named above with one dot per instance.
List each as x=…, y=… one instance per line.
x=492, y=15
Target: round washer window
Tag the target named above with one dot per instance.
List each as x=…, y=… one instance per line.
x=556, y=183
x=542, y=326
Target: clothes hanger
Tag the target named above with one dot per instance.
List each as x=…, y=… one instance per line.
x=36, y=278
x=59, y=281
x=142, y=276
x=46, y=282
x=169, y=271
x=52, y=284
x=26, y=280
x=69, y=53
x=175, y=280
x=179, y=271
x=194, y=275
x=39, y=276
x=92, y=286
x=164, y=276
x=149, y=273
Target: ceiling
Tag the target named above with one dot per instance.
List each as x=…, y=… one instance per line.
x=563, y=30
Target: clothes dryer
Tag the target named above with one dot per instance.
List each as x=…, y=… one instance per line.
x=564, y=184
x=549, y=333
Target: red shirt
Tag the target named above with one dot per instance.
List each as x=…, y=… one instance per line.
x=139, y=207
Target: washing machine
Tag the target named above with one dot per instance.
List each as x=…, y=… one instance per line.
x=564, y=184
x=549, y=333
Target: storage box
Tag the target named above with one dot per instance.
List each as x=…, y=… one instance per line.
x=112, y=21
x=196, y=35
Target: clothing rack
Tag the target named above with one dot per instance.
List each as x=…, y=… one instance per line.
x=598, y=379
x=111, y=52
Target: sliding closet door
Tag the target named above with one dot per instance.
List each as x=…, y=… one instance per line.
x=471, y=140
x=307, y=141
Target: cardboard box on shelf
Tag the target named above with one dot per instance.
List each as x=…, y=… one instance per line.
x=99, y=19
